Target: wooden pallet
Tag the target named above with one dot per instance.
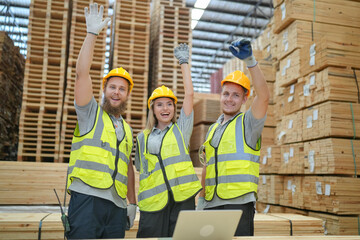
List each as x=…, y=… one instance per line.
x=206, y=111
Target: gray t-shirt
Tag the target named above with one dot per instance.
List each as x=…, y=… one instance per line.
x=86, y=116
x=253, y=131
x=185, y=124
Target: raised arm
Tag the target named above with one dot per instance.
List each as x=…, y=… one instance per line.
x=94, y=24
x=182, y=54
x=242, y=49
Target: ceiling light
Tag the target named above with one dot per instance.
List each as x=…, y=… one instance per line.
x=201, y=4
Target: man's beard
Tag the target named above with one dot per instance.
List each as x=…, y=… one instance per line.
x=115, y=111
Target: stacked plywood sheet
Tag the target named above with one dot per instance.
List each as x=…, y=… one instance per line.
x=170, y=26
x=45, y=69
x=11, y=81
x=76, y=38
x=131, y=51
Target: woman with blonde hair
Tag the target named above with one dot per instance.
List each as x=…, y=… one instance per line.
x=168, y=183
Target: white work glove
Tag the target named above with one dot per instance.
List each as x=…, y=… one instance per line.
x=94, y=22
x=131, y=213
x=182, y=53
x=201, y=203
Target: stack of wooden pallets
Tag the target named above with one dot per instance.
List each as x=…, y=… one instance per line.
x=12, y=65
x=170, y=26
x=131, y=51
x=76, y=37
x=39, y=135
x=316, y=57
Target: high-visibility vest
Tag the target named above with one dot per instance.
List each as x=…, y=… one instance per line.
x=98, y=158
x=170, y=170
x=233, y=167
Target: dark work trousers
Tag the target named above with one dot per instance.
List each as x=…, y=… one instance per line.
x=246, y=224
x=92, y=217
x=162, y=223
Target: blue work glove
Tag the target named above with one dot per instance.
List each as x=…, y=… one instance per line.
x=242, y=49
x=201, y=203
x=182, y=53
x=94, y=22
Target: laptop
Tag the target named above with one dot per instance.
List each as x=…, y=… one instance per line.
x=206, y=224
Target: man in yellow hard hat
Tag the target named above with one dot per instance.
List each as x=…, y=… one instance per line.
x=232, y=146
x=100, y=175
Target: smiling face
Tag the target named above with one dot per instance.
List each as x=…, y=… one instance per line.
x=116, y=94
x=164, y=109
x=232, y=97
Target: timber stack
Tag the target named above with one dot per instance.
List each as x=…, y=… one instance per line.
x=131, y=51
x=170, y=25
x=316, y=56
x=12, y=65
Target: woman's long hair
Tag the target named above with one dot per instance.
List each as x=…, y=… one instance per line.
x=152, y=121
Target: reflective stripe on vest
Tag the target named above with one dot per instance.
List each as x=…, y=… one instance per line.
x=93, y=155
x=180, y=175
x=233, y=167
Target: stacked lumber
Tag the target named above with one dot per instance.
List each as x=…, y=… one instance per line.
x=338, y=225
x=207, y=110
x=170, y=26
x=33, y=184
x=25, y=226
x=131, y=51
x=270, y=186
x=39, y=130
x=76, y=38
x=324, y=11
x=11, y=81
x=286, y=224
x=270, y=158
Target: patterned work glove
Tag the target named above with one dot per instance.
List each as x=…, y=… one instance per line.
x=94, y=22
x=242, y=49
x=182, y=53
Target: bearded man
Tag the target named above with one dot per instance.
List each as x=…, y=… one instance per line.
x=100, y=174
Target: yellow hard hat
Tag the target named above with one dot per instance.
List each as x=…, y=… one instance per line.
x=239, y=78
x=119, y=72
x=162, y=92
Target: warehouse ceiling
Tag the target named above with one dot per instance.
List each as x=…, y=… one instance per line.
x=221, y=22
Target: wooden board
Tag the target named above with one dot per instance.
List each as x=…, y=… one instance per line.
x=270, y=187
x=198, y=136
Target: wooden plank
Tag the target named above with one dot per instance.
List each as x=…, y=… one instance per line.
x=338, y=225
x=270, y=158
x=206, y=111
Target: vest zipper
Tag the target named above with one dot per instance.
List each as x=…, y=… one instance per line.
x=116, y=159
